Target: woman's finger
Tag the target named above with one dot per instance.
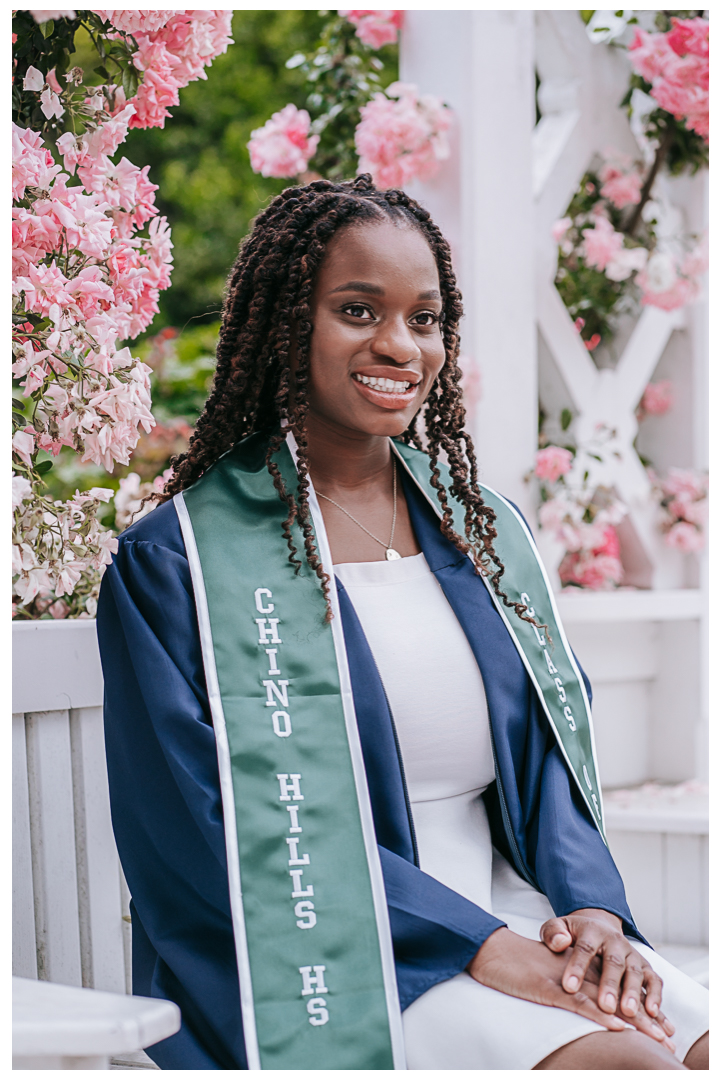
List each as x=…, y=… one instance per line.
x=588, y=943
x=653, y=991
x=632, y=985
x=555, y=934
x=650, y=1026
x=614, y=960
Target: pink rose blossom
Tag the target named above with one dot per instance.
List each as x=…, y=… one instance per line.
x=685, y=537
x=52, y=81
x=283, y=146
x=137, y=22
x=21, y=491
x=23, y=444
x=677, y=65
x=552, y=463
x=376, y=28
x=686, y=483
x=400, y=140
x=601, y=245
x=50, y=104
x=621, y=188
x=32, y=166
x=689, y=36
x=34, y=79
x=598, y=569
x=657, y=398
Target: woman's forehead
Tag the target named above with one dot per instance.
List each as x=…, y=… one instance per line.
x=379, y=248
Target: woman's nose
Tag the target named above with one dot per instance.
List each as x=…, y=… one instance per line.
x=395, y=341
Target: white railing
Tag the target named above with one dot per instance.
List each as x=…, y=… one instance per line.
x=70, y=902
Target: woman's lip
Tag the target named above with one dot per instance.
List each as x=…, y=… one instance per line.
x=386, y=400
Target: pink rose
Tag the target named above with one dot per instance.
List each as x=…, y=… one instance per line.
x=689, y=36
x=598, y=569
x=657, y=398
x=23, y=444
x=622, y=189
x=284, y=146
x=376, y=28
x=399, y=140
x=552, y=463
x=685, y=537
x=685, y=482
x=601, y=244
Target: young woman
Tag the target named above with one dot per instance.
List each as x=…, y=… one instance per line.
x=350, y=752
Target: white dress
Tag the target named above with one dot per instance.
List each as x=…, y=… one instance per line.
x=438, y=703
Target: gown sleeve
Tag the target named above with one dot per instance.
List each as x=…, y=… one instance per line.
x=167, y=815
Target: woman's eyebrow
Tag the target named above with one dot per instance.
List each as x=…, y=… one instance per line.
x=360, y=286
x=377, y=290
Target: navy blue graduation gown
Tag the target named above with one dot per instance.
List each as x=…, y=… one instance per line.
x=167, y=812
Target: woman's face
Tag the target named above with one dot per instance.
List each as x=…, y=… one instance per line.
x=376, y=343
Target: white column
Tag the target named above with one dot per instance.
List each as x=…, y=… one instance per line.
x=481, y=64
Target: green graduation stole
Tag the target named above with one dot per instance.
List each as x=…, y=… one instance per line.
x=310, y=918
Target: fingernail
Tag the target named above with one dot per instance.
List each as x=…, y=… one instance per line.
x=610, y=1001
x=657, y=1031
x=558, y=940
x=573, y=983
x=631, y=1006
x=670, y=1046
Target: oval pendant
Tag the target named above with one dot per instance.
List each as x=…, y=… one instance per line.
x=391, y=554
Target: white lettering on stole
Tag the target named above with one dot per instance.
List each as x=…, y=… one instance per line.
x=273, y=638
x=570, y=718
x=551, y=667
x=279, y=689
x=587, y=778
x=293, y=786
x=561, y=691
x=286, y=729
x=298, y=890
x=293, y=812
x=313, y=984
x=292, y=842
x=318, y=1013
x=305, y=914
x=259, y=593
x=274, y=669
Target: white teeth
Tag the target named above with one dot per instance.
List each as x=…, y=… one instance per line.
x=387, y=386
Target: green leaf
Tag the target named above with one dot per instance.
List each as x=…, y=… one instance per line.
x=43, y=467
x=130, y=82
x=565, y=419
x=47, y=28
x=19, y=405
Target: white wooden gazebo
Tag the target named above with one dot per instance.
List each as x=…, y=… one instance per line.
x=645, y=650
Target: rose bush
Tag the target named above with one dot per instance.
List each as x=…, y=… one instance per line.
x=90, y=258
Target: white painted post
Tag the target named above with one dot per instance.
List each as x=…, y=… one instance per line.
x=481, y=63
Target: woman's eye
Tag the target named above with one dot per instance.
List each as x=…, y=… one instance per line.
x=358, y=311
x=426, y=318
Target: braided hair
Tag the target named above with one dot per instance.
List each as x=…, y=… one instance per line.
x=267, y=311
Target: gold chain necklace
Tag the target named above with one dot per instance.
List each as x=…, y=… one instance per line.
x=390, y=552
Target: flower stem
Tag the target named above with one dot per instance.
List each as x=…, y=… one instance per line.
x=660, y=155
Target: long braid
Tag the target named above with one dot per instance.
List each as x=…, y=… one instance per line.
x=263, y=364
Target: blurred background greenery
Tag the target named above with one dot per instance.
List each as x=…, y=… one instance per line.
x=210, y=195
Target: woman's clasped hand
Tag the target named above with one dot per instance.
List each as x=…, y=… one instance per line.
x=583, y=964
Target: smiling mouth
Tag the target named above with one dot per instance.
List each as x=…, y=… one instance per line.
x=385, y=386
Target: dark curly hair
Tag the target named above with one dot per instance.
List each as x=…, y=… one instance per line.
x=267, y=311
